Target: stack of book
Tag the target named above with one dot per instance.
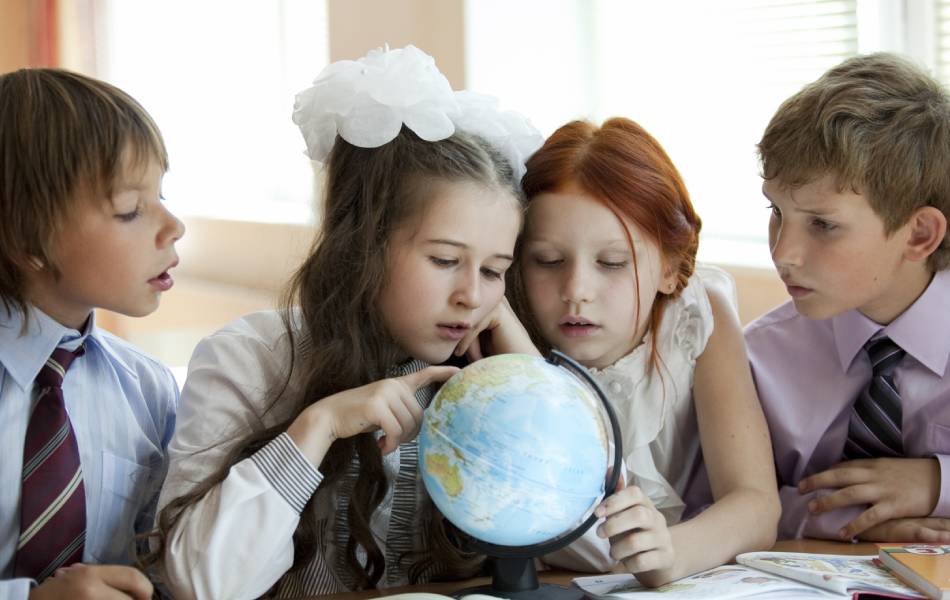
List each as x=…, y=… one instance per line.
x=925, y=567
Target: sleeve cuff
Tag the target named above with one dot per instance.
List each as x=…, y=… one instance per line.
x=16, y=589
x=291, y=475
x=942, y=509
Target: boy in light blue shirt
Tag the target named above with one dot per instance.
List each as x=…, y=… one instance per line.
x=86, y=417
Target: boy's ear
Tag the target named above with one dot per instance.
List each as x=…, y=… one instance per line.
x=35, y=263
x=30, y=263
x=928, y=227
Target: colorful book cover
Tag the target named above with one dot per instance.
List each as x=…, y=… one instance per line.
x=923, y=566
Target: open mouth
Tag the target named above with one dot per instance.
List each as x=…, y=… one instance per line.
x=797, y=291
x=163, y=282
x=453, y=331
x=576, y=326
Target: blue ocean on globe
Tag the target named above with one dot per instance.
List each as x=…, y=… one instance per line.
x=514, y=450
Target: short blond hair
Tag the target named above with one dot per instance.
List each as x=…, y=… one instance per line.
x=62, y=136
x=881, y=126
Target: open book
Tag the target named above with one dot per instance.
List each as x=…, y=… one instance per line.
x=774, y=575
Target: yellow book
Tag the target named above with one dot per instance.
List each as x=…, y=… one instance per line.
x=926, y=567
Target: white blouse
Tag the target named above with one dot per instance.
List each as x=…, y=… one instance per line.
x=237, y=540
x=656, y=412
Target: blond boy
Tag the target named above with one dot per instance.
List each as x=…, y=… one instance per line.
x=853, y=371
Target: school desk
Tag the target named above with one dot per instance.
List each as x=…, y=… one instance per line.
x=564, y=577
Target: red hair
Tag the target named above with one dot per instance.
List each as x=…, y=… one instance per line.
x=625, y=168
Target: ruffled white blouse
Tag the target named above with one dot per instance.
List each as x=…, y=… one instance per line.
x=655, y=407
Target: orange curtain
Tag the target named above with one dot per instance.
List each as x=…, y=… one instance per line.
x=43, y=33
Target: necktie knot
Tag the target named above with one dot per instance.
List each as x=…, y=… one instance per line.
x=885, y=355
x=53, y=372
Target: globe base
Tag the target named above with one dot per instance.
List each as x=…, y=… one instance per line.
x=517, y=579
x=545, y=591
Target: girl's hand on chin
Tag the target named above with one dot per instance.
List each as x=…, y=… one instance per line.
x=500, y=332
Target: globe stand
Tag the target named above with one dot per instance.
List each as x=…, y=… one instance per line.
x=517, y=579
x=512, y=568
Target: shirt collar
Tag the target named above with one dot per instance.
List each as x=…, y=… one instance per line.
x=923, y=330
x=98, y=337
x=24, y=356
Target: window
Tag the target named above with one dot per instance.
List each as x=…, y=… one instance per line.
x=219, y=78
x=703, y=77
x=942, y=23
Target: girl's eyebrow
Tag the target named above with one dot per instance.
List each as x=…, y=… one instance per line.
x=462, y=246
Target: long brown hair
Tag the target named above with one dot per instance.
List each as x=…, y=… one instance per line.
x=622, y=166
x=63, y=136
x=339, y=341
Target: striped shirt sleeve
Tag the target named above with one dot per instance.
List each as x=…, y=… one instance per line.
x=292, y=475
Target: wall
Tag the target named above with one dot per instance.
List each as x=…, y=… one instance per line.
x=435, y=26
x=14, y=45
x=230, y=268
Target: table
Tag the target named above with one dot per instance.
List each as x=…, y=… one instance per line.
x=564, y=577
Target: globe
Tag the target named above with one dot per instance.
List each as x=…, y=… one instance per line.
x=515, y=450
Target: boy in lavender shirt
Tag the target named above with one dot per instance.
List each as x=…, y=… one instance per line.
x=856, y=167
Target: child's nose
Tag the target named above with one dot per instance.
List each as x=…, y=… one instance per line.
x=467, y=292
x=173, y=229
x=576, y=287
x=785, y=247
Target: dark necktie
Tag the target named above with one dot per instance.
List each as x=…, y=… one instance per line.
x=53, y=499
x=875, y=427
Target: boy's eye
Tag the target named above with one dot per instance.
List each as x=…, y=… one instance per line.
x=443, y=262
x=775, y=210
x=129, y=216
x=609, y=264
x=823, y=225
x=547, y=262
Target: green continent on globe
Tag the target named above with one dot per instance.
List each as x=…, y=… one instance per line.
x=497, y=376
x=447, y=474
x=450, y=393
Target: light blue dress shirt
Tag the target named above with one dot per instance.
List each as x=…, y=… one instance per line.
x=122, y=407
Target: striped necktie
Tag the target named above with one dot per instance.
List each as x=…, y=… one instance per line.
x=53, y=499
x=875, y=427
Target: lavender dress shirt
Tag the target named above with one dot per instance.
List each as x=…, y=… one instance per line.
x=808, y=374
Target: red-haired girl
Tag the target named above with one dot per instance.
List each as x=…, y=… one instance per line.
x=607, y=274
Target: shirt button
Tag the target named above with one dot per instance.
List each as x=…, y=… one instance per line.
x=615, y=387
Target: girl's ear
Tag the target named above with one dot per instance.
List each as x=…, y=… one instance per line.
x=928, y=227
x=671, y=269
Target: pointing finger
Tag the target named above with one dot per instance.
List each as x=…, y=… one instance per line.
x=429, y=375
